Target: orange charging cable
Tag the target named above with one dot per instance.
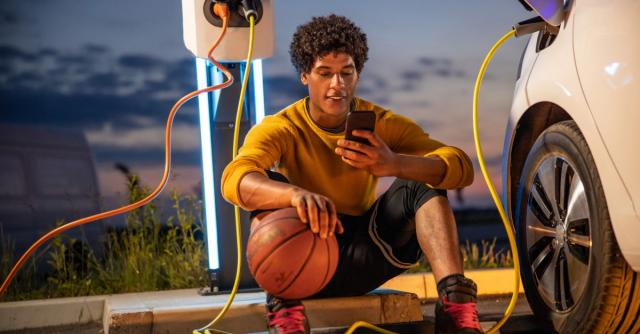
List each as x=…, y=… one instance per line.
x=220, y=10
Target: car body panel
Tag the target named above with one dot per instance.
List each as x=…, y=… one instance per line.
x=554, y=78
x=606, y=53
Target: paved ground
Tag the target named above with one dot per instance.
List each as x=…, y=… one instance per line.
x=491, y=310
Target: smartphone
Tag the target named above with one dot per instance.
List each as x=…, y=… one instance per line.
x=360, y=120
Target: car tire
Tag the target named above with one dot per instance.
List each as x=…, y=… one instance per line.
x=575, y=279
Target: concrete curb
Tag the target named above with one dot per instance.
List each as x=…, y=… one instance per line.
x=175, y=310
x=490, y=282
x=51, y=312
x=249, y=315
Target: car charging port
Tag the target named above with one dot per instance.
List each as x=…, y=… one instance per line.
x=533, y=25
x=547, y=31
x=240, y=11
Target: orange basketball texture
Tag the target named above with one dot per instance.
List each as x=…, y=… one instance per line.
x=287, y=259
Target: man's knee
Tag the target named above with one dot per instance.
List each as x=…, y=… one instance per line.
x=436, y=205
x=418, y=193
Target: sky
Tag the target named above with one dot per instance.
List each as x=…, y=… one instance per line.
x=113, y=69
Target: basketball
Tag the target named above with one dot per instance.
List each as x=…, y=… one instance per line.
x=287, y=259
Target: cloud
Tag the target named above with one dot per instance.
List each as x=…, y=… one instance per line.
x=374, y=87
x=148, y=157
x=107, y=82
x=181, y=72
x=140, y=62
x=44, y=52
x=449, y=73
x=427, y=61
x=412, y=75
x=77, y=110
x=93, y=70
x=184, y=137
x=426, y=68
x=380, y=83
x=8, y=18
x=185, y=179
x=10, y=53
x=89, y=87
x=415, y=87
x=74, y=60
x=95, y=48
x=281, y=91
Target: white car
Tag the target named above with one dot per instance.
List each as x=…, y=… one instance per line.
x=571, y=168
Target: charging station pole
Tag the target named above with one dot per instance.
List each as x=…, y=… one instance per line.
x=217, y=113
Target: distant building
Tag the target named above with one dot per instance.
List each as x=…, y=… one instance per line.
x=46, y=176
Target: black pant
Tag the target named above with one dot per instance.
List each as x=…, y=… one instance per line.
x=379, y=244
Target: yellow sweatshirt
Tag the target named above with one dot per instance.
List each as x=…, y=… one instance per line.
x=292, y=144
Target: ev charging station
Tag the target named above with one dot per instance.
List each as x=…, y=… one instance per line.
x=217, y=117
x=217, y=112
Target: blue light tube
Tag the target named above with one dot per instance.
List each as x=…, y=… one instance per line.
x=258, y=89
x=207, y=165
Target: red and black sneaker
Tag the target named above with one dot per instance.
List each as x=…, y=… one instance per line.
x=456, y=311
x=286, y=316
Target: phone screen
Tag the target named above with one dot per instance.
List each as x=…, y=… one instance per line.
x=360, y=120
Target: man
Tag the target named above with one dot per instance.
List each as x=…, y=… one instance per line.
x=331, y=182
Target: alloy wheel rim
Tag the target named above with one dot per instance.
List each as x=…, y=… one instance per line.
x=558, y=233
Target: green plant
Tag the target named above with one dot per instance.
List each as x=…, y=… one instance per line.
x=71, y=261
x=26, y=283
x=183, y=255
x=475, y=257
x=153, y=255
x=486, y=256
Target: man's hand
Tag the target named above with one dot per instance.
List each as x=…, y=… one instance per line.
x=317, y=210
x=376, y=158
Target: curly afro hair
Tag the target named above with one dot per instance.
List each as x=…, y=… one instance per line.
x=326, y=34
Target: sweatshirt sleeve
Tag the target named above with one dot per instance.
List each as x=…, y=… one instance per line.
x=407, y=137
x=263, y=146
x=459, y=173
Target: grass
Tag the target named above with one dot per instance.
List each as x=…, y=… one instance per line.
x=475, y=256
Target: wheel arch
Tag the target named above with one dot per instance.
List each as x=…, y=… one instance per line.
x=531, y=124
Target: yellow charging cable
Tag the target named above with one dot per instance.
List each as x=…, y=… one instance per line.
x=236, y=135
x=496, y=199
x=365, y=324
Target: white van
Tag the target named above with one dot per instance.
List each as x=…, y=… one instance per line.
x=46, y=176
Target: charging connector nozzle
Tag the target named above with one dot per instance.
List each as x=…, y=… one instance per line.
x=221, y=9
x=238, y=12
x=533, y=25
x=249, y=8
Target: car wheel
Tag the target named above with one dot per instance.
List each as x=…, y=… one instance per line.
x=575, y=279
